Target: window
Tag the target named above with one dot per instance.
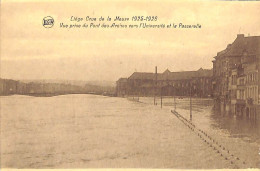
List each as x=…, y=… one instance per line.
x=241, y=82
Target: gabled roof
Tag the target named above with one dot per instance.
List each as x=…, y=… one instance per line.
x=172, y=75
x=241, y=45
x=186, y=74
x=167, y=71
x=142, y=75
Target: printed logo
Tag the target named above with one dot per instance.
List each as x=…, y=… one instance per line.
x=48, y=22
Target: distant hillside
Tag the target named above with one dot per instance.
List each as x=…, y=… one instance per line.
x=74, y=82
x=49, y=88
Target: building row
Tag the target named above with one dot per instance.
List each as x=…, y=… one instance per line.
x=236, y=77
x=9, y=87
x=187, y=83
x=234, y=82
x=41, y=88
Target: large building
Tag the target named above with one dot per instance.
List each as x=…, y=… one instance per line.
x=236, y=78
x=196, y=83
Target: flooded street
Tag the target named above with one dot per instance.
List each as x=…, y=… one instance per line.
x=89, y=131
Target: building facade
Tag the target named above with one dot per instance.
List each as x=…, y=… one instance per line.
x=236, y=77
x=10, y=87
x=187, y=83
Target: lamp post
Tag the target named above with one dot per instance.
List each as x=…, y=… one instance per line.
x=174, y=103
x=161, y=97
x=155, y=86
x=190, y=103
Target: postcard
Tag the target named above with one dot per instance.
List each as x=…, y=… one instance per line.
x=130, y=85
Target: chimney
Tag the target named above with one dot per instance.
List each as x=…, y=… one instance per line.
x=240, y=36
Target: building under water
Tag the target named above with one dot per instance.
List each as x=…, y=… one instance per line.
x=233, y=82
x=187, y=83
x=236, y=77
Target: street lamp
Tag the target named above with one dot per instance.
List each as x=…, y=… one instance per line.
x=192, y=86
x=190, y=104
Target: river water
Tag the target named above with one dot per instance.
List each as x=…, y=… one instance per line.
x=90, y=131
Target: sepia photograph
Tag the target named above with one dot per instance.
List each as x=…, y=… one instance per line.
x=129, y=84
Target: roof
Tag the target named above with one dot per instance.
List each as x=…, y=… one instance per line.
x=186, y=74
x=241, y=45
x=142, y=75
x=172, y=75
x=167, y=71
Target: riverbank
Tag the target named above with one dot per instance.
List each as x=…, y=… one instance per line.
x=55, y=94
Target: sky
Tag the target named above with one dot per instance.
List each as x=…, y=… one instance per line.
x=30, y=51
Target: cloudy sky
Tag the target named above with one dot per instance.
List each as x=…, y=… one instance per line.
x=30, y=51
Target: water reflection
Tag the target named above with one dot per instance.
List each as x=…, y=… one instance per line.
x=205, y=115
x=238, y=127
x=80, y=131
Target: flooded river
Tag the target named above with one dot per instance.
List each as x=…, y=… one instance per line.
x=89, y=131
